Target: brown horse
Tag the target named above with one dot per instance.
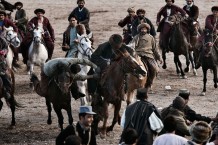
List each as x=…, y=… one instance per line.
x=134, y=82
x=5, y=70
x=112, y=89
x=181, y=43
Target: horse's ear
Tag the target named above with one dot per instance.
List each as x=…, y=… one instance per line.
x=78, y=36
x=90, y=35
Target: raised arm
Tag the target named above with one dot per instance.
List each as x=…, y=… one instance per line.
x=83, y=62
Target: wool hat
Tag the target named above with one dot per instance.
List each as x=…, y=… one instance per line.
x=116, y=40
x=200, y=131
x=172, y=1
x=3, y=12
x=184, y=93
x=214, y=8
x=86, y=109
x=143, y=25
x=131, y=9
x=39, y=10
x=179, y=103
x=140, y=11
x=18, y=3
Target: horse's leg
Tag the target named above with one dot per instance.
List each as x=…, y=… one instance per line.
x=117, y=116
x=187, y=62
x=69, y=113
x=82, y=89
x=191, y=57
x=48, y=104
x=164, y=59
x=12, y=106
x=106, y=114
x=215, y=76
x=180, y=67
x=60, y=116
x=176, y=63
x=1, y=104
x=204, y=79
x=129, y=97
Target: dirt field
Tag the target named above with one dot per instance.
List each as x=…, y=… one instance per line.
x=32, y=128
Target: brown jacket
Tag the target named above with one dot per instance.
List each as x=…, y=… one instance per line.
x=210, y=23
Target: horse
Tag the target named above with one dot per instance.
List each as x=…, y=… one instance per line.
x=112, y=90
x=37, y=52
x=12, y=39
x=84, y=48
x=12, y=103
x=209, y=60
x=7, y=6
x=181, y=43
x=134, y=82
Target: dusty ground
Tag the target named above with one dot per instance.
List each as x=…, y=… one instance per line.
x=31, y=125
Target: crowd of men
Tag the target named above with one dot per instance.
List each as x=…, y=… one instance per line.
x=141, y=121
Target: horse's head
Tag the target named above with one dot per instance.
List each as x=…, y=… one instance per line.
x=131, y=65
x=64, y=80
x=12, y=37
x=211, y=41
x=37, y=35
x=84, y=46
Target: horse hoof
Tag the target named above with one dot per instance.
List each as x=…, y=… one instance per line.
x=102, y=135
x=28, y=73
x=109, y=129
x=49, y=122
x=183, y=77
x=195, y=73
x=203, y=93
x=215, y=85
x=164, y=66
x=186, y=70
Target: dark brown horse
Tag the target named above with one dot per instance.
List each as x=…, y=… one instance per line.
x=181, y=43
x=209, y=58
x=11, y=102
x=112, y=89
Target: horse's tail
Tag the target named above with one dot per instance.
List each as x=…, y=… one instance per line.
x=13, y=101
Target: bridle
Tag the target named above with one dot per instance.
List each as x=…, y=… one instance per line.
x=85, y=51
x=8, y=36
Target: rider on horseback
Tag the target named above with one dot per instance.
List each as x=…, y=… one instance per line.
x=70, y=40
x=145, y=46
x=211, y=27
x=53, y=67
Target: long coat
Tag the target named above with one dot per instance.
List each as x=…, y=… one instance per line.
x=193, y=12
x=210, y=23
x=21, y=17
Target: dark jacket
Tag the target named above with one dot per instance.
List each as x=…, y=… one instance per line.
x=46, y=26
x=82, y=16
x=136, y=22
x=8, y=23
x=136, y=116
x=105, y=53
x=193, y=12
x=210, y=23
x=191, y=115
x=66, y=38
x=20, y=16
x=127, y=21
x=84, y=135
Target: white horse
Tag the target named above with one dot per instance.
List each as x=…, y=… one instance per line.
x=84, y=51
x=12, y=39
x=37, y=54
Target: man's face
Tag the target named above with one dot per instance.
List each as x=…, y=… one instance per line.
x=215, y=13
x=131, y=13
x=81, y=4
x=143, y=31
x=2, y=16
x=169, y=2
x=87, y=120
x=189, y=2
x=141, y=15
x=39, y=14
x=18, y=7
x=73, y=22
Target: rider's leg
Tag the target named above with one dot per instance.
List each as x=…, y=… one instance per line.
x=50, y=47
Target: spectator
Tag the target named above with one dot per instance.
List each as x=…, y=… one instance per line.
x=83, y=128
x=143, y=117
x=130, y=137
x=170, y=138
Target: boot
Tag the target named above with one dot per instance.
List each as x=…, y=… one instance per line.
x=33, y=78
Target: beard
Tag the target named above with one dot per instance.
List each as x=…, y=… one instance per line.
x=143, y=33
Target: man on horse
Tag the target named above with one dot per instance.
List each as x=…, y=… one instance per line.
x=211, y=27
x=20, y=18
x=53, y=67
x=41, y=22
x=127, y=21
x=145, y=46
x=142, y=19
x=4, y=22
x=109, y=51
x=82, y=13
x=164, y=26
x=70, y=40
